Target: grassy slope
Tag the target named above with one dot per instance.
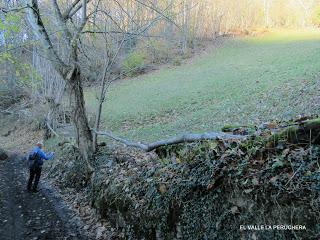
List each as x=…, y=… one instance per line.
x=248, y=80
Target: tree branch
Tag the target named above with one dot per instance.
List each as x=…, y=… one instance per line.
x=6, y=112
x=175, y=140
x=159, y=12
x=83, y=23
x=75, y=10
x=51, y=129
x=61, y=21
x=67, y=12
x=5, y=10
x=40, y=31
x=84, y=12
x=119, y=32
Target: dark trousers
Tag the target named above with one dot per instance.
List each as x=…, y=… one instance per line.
x=35, y=172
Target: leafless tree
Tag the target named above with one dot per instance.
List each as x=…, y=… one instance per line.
x=71, y=23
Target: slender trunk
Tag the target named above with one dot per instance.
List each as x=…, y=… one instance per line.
x=97, y=125
x=267, y=13
x=101, y=101
x=79, y=117
x=185, y=27
x=98, y=114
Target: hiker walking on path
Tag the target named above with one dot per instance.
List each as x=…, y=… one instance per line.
x=35, y=162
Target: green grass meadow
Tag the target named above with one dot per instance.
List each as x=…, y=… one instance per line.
x=248, y=80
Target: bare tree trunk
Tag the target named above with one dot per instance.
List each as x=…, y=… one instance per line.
x=98, y=117
x=83, y=132
x=185, y=27
x=100, y=104
x=266, y=6
x=97, y=126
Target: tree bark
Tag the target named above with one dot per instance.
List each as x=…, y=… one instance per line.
x=79, y=117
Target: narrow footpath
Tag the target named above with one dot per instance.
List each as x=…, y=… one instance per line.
x=25, y=215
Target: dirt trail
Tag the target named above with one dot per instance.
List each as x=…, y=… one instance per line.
x=25, y=215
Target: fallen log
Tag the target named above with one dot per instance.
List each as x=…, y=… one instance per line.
x=51, y=129
x=6, y=112
x=192, y=137
x=306, y=132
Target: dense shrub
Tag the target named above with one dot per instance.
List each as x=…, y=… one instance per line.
x=133, y=63
x=176, y=61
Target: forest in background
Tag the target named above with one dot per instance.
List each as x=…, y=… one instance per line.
x=146, y=33
x=107, y=41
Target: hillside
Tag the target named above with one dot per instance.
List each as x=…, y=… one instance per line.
x=248, y=80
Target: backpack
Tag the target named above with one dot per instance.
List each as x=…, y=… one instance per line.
x=33, y=158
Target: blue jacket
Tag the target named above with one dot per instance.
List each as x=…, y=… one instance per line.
x=40, y=157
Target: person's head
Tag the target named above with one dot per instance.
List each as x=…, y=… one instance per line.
x=39, y=144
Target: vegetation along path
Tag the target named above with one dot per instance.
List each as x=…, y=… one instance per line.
x=25, y=215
